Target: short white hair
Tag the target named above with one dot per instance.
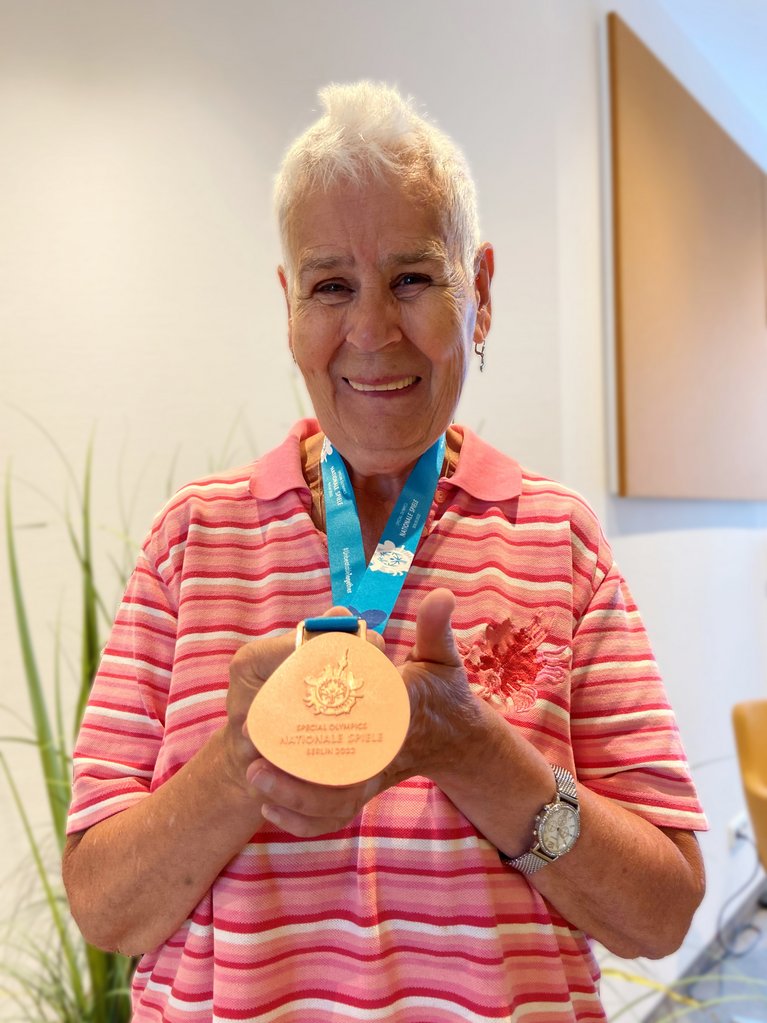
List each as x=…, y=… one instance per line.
x=369, y=131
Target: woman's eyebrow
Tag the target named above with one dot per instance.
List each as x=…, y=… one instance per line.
x=331, y=262
x=431, y=252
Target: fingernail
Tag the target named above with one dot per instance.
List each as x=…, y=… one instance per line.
x=261, y=777
x=270, y=813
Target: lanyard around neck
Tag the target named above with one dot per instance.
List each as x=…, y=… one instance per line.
x=371, y=591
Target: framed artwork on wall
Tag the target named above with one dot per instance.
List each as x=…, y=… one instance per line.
x=690, y=286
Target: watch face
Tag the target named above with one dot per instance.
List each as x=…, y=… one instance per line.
x=559, y=829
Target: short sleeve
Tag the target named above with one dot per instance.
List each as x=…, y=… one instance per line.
x=626, y=742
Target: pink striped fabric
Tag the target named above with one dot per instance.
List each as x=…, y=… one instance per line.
x=408, y=915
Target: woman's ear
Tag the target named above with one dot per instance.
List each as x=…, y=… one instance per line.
x=284, y=285
x=482, y=281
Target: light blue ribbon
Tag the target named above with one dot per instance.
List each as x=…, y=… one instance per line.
x=371, y=591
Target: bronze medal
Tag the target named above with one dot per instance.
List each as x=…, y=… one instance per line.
x=336, y=712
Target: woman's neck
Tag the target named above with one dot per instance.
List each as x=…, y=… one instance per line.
x=376, y=494
x=378, y=488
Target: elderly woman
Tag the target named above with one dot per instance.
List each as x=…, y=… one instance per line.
x=540, y=797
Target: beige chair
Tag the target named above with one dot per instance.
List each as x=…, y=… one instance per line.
x=750, y=723
x=749, y=720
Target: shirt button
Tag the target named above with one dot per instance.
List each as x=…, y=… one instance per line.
x=440, y=497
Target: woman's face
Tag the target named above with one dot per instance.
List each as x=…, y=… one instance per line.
x=381, y=320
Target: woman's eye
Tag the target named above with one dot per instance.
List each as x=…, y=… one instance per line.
x=412, y=282
x=332, y=290
x=330, y=287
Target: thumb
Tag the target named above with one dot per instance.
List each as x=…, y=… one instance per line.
x=434, y=640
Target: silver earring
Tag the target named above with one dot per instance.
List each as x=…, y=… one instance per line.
x=479, y=349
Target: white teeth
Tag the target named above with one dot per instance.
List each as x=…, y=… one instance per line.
x=395, y=385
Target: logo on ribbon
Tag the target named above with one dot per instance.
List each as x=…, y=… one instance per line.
x=390, y=559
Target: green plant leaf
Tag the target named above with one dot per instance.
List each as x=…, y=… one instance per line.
x=44, y=736
x=91, y=648
x=54, y=908
x=67, y=980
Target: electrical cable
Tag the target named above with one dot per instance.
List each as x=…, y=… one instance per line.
x=729, y=944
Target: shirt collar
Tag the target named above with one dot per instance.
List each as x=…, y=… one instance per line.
x=482, y=472
x=279, y=470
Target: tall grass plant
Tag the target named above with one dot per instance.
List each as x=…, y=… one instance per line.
x=48, y=973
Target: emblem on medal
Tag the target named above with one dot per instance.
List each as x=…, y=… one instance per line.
x=336, y=712
x=335, y=690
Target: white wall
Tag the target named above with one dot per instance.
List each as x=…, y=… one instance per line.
x=138, y=299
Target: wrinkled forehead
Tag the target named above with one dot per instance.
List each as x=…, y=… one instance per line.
x=393, y=221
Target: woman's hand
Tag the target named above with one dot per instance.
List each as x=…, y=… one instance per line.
x=445, y=716
x=302, y=808
x=250, y=667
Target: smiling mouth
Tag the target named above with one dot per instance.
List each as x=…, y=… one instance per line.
x=389, y=385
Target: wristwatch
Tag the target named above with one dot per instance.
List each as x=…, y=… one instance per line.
x=556, y=827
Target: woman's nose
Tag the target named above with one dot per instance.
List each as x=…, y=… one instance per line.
x=373, y=320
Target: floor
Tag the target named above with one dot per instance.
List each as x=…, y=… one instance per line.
x=732, y=988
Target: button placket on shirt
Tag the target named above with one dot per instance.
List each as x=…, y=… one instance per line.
x=438, y=506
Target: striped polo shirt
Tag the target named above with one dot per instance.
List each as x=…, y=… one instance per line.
x=407, y=915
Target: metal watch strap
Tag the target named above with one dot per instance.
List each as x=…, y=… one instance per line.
x=566, y=786
x=536, y=858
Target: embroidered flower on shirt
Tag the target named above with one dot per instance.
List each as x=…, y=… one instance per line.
x=509, y=664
